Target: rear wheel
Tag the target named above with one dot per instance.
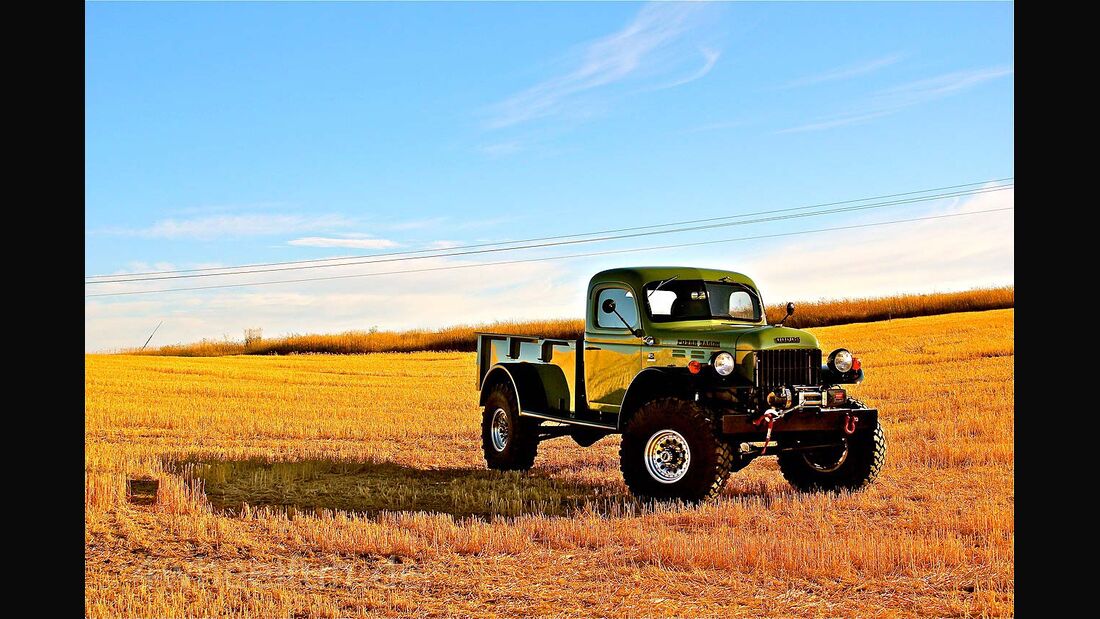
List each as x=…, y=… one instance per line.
x=670, y=450
x=853, y=465
x=510, y=442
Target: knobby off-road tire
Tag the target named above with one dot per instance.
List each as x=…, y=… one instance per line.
x=671, y=425
x=824, y=471
x=738, y=461
x=510, y=442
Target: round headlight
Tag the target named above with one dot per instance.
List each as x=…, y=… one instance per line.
x=723, y=363
x=841, y=360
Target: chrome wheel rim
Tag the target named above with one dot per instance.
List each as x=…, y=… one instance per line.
x=827, y=460
x=500, y=429
x=667, y=456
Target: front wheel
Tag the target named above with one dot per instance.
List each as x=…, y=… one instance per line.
x=670, y=450
x=852, y=465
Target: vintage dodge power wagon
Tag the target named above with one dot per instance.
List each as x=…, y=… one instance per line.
x=683, y=363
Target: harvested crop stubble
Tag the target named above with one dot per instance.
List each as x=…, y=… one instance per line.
x=260, y=459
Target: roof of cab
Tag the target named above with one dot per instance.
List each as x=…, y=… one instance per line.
x=638, y=277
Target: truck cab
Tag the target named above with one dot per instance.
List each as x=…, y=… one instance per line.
x=682, y=362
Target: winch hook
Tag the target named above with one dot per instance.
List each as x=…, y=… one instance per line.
x=769, y=418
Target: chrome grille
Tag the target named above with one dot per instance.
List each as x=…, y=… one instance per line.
x=792, y=366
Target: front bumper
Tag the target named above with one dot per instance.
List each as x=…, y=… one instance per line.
x=802, y=420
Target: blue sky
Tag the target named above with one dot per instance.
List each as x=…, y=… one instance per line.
x=223, y=134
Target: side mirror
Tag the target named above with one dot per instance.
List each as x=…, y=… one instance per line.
x=790, y=310
x=608, y=307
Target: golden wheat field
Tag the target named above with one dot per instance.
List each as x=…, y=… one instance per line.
x=348, y=486
x=809, y=314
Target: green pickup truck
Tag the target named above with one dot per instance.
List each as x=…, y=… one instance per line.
x=681, y=362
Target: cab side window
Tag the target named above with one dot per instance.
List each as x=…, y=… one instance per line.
x=624, y=304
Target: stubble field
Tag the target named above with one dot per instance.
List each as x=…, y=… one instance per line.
x=334, y=486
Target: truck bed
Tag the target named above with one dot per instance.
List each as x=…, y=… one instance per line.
x=558, y=362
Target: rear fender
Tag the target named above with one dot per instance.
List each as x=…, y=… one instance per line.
x=538, y=387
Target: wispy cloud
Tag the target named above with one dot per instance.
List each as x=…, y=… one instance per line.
x=232, y=226
x=942, y=85
x=357, y=241
x=914, y=257
x=443, y=244
x=838, y=121
x=525, y=291
x=925, y=256
x=845, y=72
x=652, y=45
x=710, y=58
x=897, y=98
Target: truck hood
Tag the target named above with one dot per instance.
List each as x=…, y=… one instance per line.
x=767, y=337
x=729, y=337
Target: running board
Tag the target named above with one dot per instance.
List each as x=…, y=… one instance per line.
x=575, y=422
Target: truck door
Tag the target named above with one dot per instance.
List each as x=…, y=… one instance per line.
x=612, y=354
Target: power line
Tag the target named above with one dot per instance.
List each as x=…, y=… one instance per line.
x=545, y=238
x=452, y=253
x=543, y=259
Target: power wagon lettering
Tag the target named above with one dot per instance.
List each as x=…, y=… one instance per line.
x=699, y=343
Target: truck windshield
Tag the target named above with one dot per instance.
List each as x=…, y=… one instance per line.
x=701, y=300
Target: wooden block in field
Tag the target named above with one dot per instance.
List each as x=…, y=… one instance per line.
x=142, y=491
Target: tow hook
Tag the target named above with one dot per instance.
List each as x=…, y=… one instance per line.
x=850, y=422
x=769, y=418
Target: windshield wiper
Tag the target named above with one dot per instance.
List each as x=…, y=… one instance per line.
x=659, y=284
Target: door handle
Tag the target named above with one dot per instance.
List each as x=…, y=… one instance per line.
x=592, y=348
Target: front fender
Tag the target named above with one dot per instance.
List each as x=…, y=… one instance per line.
x=851, y=377
x=652, y=383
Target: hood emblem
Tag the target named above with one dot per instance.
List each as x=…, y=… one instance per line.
x=788, y=340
